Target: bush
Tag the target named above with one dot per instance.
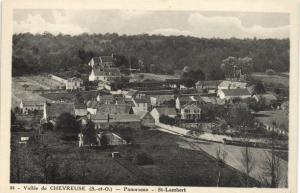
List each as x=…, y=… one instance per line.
x=142, y=159
x=270, y=72
x=167, y=120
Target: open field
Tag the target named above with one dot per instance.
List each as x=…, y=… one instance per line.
x=234, y=157
x=173, y=165
x=23, y=87
x=20, y=93
x=269, y=80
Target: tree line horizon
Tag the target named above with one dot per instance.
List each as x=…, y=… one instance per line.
x=48, y=53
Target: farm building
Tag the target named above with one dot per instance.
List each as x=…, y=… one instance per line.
x=184, y=99
x=159, y=111
x=29, y=106
x=207, y=86
x=80, y=110
x=74, y=83
x=226, y=84
x=114, y=109
x=146, y=119
x=140, y=104
x=92, y=107
x=268, y=98
x=105, y=121
x=111, y=139
x=106, y=99
x=229, y=94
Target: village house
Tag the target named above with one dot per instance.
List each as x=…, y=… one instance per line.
x=106, y=74
x=92, y=107
x=207, y=86
x=106, y=121
x=229, y=94
x=30, y=106
x=183, y=99
x=190, y=112
x=80, y=110
x=159, y=111
x=74, y=83
x=226, y=84
x=53, y=110
x=160, y=100
x=105, y=99
x=115, y=109
x=112, y=139
x=268, y=98
x=102, y=62
x=131, y=94
x=140, y=104
x=147, y=119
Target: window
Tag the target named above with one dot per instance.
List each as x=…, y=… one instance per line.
x=186, y=110
x=196, y=111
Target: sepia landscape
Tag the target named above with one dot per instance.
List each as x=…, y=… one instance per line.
x=123, y=98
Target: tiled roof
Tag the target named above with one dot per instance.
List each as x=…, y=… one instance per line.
x=92, y=104
x=80, y=106
x=107, y=72
x=106, y=58
x=232, y=84
x=74, y=79
x=33, y=103
x=59, y=96
x=166, y=111
x=96, y=60
x=236, y=92
x=208, y=83
x=142, y=100
x=116, y=118
x=114, y=108
x=56, y=109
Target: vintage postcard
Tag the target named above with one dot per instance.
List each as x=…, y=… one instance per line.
x=149, y=96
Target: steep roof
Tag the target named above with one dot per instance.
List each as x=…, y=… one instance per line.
x=232, y=84
x=236, y=92
x=73, y=79
x=208, y=83
x=92, y=104
x=142, y=100
x=56, y=109
x=166, y=111
x=96, y=59
x=33, y=103
x=107, y=72
x=59, y=96
x=157, y=92
x=116, y=118
x=114, y=108
x=80, y=106
x=106, y=58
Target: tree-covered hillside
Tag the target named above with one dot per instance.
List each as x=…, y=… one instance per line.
x=159, y=54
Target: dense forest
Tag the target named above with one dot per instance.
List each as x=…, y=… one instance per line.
x=47, y=53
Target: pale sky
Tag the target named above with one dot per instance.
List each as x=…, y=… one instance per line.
x=131, y=22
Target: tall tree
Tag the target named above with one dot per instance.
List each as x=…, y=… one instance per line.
x=67, y=125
